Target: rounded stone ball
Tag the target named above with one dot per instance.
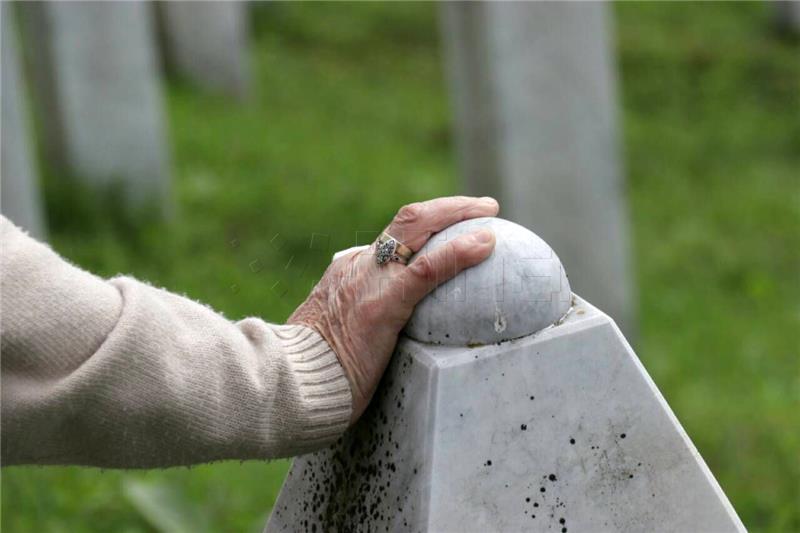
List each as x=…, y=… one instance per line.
x=518, y=290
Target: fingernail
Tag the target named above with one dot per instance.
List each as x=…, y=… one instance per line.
x=489, y=199
x=483, y=236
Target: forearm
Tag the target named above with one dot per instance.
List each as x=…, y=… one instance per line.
x=121, y=374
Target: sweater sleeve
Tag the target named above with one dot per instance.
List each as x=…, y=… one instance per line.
x=121, y=374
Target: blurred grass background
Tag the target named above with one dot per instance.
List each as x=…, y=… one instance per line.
x=351, y=120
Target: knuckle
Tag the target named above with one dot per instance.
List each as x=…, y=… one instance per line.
x=423, y=268
x=409, y=214
x=464, y=250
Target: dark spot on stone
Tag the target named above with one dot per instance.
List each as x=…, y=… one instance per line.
x=552, y=477
x=527, y=499
x=563, y=530
x=572, y=441
x=542, y=489
x=523, y=427
x=622, y=436
x=562, y=521
x=488, y=462
x=533, y=516
x=536, y=504
x=630, y=476
x=447, y=335
x=532, y=397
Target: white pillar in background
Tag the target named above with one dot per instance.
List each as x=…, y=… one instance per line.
x=534, y=93
x=99, y=94
x=20, y=198
x=787, y=15
x=207, y=42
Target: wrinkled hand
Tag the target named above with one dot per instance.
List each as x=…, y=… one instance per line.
x=360, y=307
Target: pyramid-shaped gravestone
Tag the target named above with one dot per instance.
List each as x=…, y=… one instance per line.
x=510, y=405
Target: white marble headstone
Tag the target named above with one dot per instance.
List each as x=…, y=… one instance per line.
x=20, y=199
x=207, y=43
x=787, y=15
x=561, y=429
x=95, y=76
x=533, y=87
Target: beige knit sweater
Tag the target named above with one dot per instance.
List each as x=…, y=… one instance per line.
x=121, y=374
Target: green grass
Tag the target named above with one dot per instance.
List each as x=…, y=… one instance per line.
x=350, y=119
x=712, y=127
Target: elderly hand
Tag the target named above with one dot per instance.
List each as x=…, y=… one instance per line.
x=360, y=307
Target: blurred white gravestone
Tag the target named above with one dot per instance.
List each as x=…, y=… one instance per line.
x=207, y=43
x=534, y=96
x=560, y=429
x=101, y=104
x=787, y=16
x=20, y=199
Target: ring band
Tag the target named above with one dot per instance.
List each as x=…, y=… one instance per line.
x=387, y=248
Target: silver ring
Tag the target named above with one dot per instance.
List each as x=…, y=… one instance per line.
x=387, y=249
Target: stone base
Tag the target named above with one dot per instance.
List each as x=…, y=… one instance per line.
x=558, y=431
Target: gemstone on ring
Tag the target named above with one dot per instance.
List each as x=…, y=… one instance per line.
x=388, y=249
x=385, y=251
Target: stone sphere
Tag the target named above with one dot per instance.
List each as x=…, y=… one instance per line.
x=520, y=289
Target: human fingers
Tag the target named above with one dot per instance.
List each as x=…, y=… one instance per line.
x=431, y=269
x=415, y=223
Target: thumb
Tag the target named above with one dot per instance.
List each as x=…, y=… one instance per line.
x=429, y=270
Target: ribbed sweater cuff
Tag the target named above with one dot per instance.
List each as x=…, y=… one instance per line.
x=321, y=381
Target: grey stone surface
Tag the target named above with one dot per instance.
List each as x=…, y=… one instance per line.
x=520, y=289
x=533, y=88
x=207, y=43
x=95, y=69
x=560, y=429
x=20, y=199
x=787, y=15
